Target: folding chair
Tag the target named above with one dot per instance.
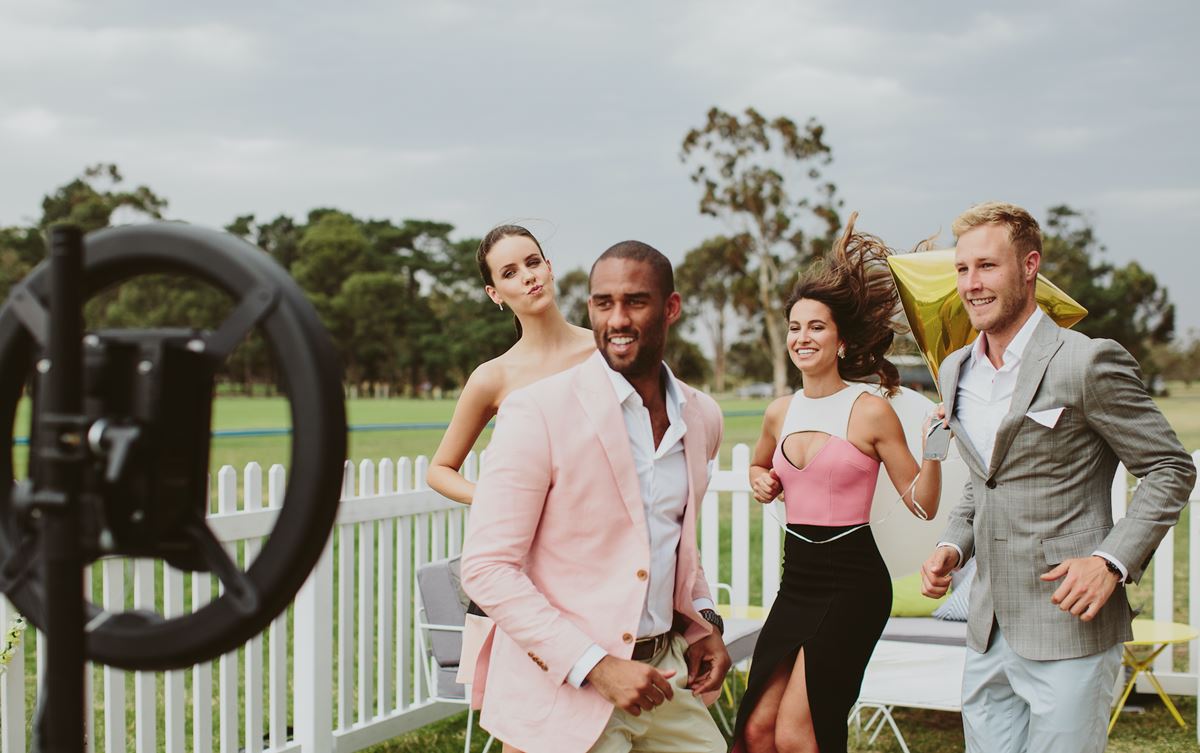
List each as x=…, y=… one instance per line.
x=440, y=617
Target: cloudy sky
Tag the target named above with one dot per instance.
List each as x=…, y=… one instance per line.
x=569, y=115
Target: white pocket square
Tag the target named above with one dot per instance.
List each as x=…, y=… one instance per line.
x=1048, y=418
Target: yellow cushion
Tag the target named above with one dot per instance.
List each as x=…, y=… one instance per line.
x=907, y=600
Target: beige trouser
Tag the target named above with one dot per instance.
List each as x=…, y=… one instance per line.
x=681, y=725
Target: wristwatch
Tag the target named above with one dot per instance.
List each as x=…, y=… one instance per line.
x=711, y=616
x=1112, y=568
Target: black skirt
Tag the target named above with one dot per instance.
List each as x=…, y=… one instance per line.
x=834, y=600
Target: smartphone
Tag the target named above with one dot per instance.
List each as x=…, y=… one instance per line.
x=937, y=443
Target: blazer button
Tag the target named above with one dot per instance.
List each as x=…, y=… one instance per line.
x=628, y=638
x=991, y=483
x=642, y=574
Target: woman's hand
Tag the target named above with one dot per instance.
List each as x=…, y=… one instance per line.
x=938, y=414
x=766, y=487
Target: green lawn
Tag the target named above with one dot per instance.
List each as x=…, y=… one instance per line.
x=1152, y=731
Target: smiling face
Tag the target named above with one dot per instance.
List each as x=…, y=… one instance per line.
x=995, y=283
x=521, y=276
x=630, y=316
x=812, y=339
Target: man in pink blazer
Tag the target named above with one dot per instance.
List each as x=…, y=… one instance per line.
x=582, y=540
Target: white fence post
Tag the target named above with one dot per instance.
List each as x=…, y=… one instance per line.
x=345, y=621
x=314, y=657
x=253, y=665
x=385, y=613
x=277, y=684
x=114, y=679
x=366, y=600
x=405, y=639
x=227, y=701
x=145, y=690
x=12, y=689
x=740, y=550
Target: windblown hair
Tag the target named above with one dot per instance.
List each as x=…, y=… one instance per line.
x=1023, y=230
x=855, y=283
x=664, y=275
x=494, y=236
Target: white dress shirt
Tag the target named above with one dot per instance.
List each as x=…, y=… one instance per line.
x=984, y=397
x=985, y=392
x=663, y=482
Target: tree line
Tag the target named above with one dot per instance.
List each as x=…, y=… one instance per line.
x=404, y=301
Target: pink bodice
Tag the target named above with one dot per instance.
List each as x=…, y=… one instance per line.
x=837, y=486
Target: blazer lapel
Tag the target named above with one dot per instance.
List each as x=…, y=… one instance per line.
x=694, y=450
x=1044, y=344
x=952, y=368
x=595, y=391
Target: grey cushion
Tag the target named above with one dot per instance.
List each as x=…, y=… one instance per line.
x=925, y=630
x=447, y=686
x=439, y=585
x=955, y=607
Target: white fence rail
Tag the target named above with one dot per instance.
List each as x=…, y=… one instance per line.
x=339, y=671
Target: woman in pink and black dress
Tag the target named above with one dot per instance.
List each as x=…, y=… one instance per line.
x=822, y=448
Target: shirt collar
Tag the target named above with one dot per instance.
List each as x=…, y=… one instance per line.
x=625, y=390
x=1012, y=354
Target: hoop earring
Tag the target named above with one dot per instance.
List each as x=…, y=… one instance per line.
x=841, y=351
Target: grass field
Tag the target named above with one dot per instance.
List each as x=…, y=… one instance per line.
x=1152, y=731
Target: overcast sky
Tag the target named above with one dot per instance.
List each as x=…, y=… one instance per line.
x=569, y=115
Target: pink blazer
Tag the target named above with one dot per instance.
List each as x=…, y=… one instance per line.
x=556, y=539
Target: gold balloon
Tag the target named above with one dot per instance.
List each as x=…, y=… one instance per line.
x=927, y=281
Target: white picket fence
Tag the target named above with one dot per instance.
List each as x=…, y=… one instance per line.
x=340, y=671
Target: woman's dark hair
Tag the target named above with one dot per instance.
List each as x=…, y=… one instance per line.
x=494, y=236
x=856, y=285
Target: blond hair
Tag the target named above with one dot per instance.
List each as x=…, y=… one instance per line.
x=1023, y=230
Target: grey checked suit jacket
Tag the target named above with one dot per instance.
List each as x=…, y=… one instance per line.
x=1046, y=496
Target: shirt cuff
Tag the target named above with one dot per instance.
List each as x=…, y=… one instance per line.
x=699, y=604
x=585, y=664
x=956, y=548
x=1124, y=570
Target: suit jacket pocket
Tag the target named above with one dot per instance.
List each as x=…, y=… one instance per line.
x=1076, y=544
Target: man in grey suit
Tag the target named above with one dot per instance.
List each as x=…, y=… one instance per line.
x=1043, y=416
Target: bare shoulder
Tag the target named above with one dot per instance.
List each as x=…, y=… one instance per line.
x=584, y=345
x=776, y=411
x=873, y=406
x=486, y=383
x=778, y=407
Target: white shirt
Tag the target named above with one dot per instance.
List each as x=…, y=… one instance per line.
x=985, y=392
x=663, y=481
x=984, y=397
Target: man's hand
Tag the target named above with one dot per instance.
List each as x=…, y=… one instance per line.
x=1086, y=587
x=766, y=487
x=707, y=661
x=631, y=685
x=935, y=573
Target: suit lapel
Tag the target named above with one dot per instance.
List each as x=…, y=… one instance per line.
x=595, y=391
x=952, y=369
x=1044, y=344
x=694, y=450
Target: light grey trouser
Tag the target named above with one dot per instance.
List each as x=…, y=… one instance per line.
x=1017, y=705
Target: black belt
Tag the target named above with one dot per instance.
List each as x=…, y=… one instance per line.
x=646, y=649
